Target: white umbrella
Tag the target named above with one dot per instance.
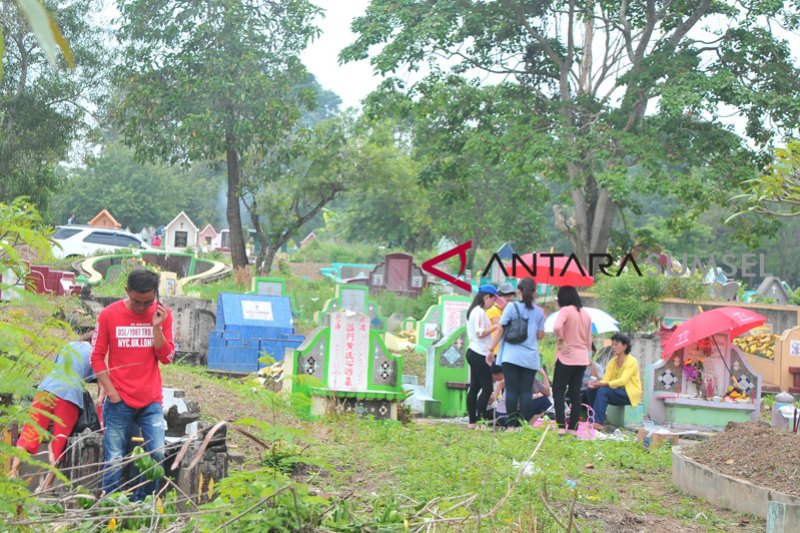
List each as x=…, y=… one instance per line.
x=602, y=322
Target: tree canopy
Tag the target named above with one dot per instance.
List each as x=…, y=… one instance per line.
x=139, y=194
x=607, y=98
x=212, y=80
x=43, y=110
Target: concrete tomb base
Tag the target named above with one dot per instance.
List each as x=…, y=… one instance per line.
x=723, y=490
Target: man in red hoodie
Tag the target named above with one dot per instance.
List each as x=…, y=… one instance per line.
x=131, y=337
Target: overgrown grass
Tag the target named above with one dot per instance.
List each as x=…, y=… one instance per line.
x=328, y=251
x=406, y=306
x=382, y=474
x=210, y=291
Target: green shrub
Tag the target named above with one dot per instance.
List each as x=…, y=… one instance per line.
x=322, y=251
x=406, y=306
x=635, y=301
x=29, y=339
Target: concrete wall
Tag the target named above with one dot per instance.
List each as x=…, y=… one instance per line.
x=193, y=319
x=783, y=517
x=781, y=317
x=724, y=491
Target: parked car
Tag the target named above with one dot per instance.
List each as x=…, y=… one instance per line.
x=89, y=240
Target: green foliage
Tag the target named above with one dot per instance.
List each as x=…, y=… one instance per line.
x=213, y=83
x=117, y=511
x=147, y=466
x=308, y=296
x=477, y=188
x=406, y=306
x=282, y=504
x=776, y=194
x=635, y=301
x=29, y=339
x=328, y=251
x=289, y=184
x=43, y=109
x=117, y=287
x=596, y=129
x=115, y=180
x=210, y=291
x=795, y=297
x=228, y=65
x=390, y=207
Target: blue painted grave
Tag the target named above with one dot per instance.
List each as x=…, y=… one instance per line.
x=250, y=326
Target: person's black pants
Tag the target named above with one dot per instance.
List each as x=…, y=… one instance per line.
x=480, y=381
x=568, y=378
x=519, y=393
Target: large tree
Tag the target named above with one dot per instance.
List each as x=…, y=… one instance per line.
x=296, y=179
x=211, y=80
x=480, y=187
x=44, y=107
x=619, y=96
x=390, y=208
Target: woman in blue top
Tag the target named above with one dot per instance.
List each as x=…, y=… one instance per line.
x=520, y=362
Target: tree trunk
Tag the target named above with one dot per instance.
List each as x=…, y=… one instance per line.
x=590, y=230
x=267, y=258
x=234, y=216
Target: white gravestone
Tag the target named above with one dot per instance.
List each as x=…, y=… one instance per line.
x=348, y=366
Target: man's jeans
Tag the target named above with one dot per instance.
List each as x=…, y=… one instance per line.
x=118, y=419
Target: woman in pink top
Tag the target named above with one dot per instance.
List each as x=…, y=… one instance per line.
x=573, y=330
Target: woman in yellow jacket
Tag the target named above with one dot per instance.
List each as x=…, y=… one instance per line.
x=621, y=384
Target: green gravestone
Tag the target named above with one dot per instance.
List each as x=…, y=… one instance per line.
x=268, y=286
x=352, y=369
x=447, y=374
x=440, y=319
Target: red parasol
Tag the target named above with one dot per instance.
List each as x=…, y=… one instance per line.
x=544, y=268
x=731, y=320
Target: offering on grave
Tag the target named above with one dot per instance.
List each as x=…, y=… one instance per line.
x=762, y=345
x=735, y=392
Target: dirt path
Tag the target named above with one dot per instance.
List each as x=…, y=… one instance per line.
x=216, y=403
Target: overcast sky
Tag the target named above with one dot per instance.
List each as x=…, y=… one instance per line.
x=351, y=81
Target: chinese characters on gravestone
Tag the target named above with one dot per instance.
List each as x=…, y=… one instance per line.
x=349, y=364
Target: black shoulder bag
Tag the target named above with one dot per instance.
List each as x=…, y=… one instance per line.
x=516, y=331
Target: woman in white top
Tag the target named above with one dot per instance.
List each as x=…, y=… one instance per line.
x=479, y=330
